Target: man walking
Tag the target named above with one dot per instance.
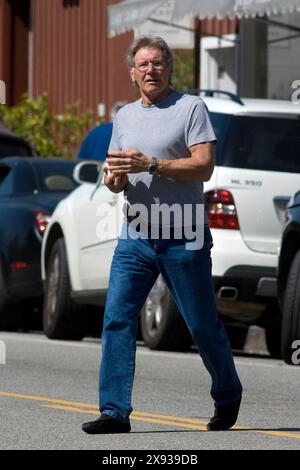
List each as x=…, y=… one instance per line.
x=161, y=152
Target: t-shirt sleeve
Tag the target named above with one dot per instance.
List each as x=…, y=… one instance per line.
x=199, y=125
x=115, y=143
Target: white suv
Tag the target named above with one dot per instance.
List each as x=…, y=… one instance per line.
x=257, y=171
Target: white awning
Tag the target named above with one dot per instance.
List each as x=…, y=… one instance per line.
x=125, y=15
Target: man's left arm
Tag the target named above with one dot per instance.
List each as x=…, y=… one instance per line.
x=198, y=166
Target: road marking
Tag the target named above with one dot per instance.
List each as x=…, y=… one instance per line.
x=184, y=422
x=134, y=417
x=71, y=408
x=46, y=399
x=72, y=405
x=188, y=423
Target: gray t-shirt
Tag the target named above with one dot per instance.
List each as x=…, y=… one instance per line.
x=164, y=130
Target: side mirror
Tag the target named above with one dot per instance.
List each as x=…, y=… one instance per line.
x=87, y=172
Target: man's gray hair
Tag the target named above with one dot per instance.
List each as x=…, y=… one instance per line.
x=153, y=42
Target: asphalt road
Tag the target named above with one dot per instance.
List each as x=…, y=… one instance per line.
x=48, y=388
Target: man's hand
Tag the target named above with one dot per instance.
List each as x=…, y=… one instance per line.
x=131, y=161
x=114, y=182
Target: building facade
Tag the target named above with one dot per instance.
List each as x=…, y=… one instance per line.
x=255, y=58
x=61, y=47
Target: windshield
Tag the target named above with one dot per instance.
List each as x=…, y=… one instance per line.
x=258, y=143
x=56, y=176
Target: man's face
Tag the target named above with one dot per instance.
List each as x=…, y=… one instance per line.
x=151, y=74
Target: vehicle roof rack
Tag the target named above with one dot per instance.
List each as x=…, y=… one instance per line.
x=210, y=93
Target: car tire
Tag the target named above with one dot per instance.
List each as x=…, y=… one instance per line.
x=10, y=317
x=162, y=327
x=291, y=310
x=62, y=318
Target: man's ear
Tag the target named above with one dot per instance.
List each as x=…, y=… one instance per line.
x=132, y=75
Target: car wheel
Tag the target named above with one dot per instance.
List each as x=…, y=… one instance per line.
x=61, y=316
x=162, y=326
x=291, y=310
x=10, y=318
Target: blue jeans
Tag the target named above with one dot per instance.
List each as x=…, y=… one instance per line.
x=135, y=267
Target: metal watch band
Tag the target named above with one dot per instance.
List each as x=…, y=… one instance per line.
x=153, y=166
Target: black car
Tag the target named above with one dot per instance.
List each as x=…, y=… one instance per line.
x=30, y=189
x=11, y=144
x=288, y=282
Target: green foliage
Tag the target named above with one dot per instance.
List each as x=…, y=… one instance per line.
x=51, y=135
x=183, y=78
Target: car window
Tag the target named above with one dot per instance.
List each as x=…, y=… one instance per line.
x=6, y=180
x=259, y=143
x=25, y=181
x=56, y=176
x=10, y=147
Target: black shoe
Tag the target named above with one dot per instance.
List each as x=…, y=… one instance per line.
x=105, y=424
x=225, y=416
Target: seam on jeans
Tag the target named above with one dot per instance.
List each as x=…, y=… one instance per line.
x=130, y=376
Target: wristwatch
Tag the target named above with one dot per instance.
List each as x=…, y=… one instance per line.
x=153, y=166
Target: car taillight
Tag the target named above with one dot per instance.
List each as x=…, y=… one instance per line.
x=221, y=209
x=18, y=265
x=42, y=218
